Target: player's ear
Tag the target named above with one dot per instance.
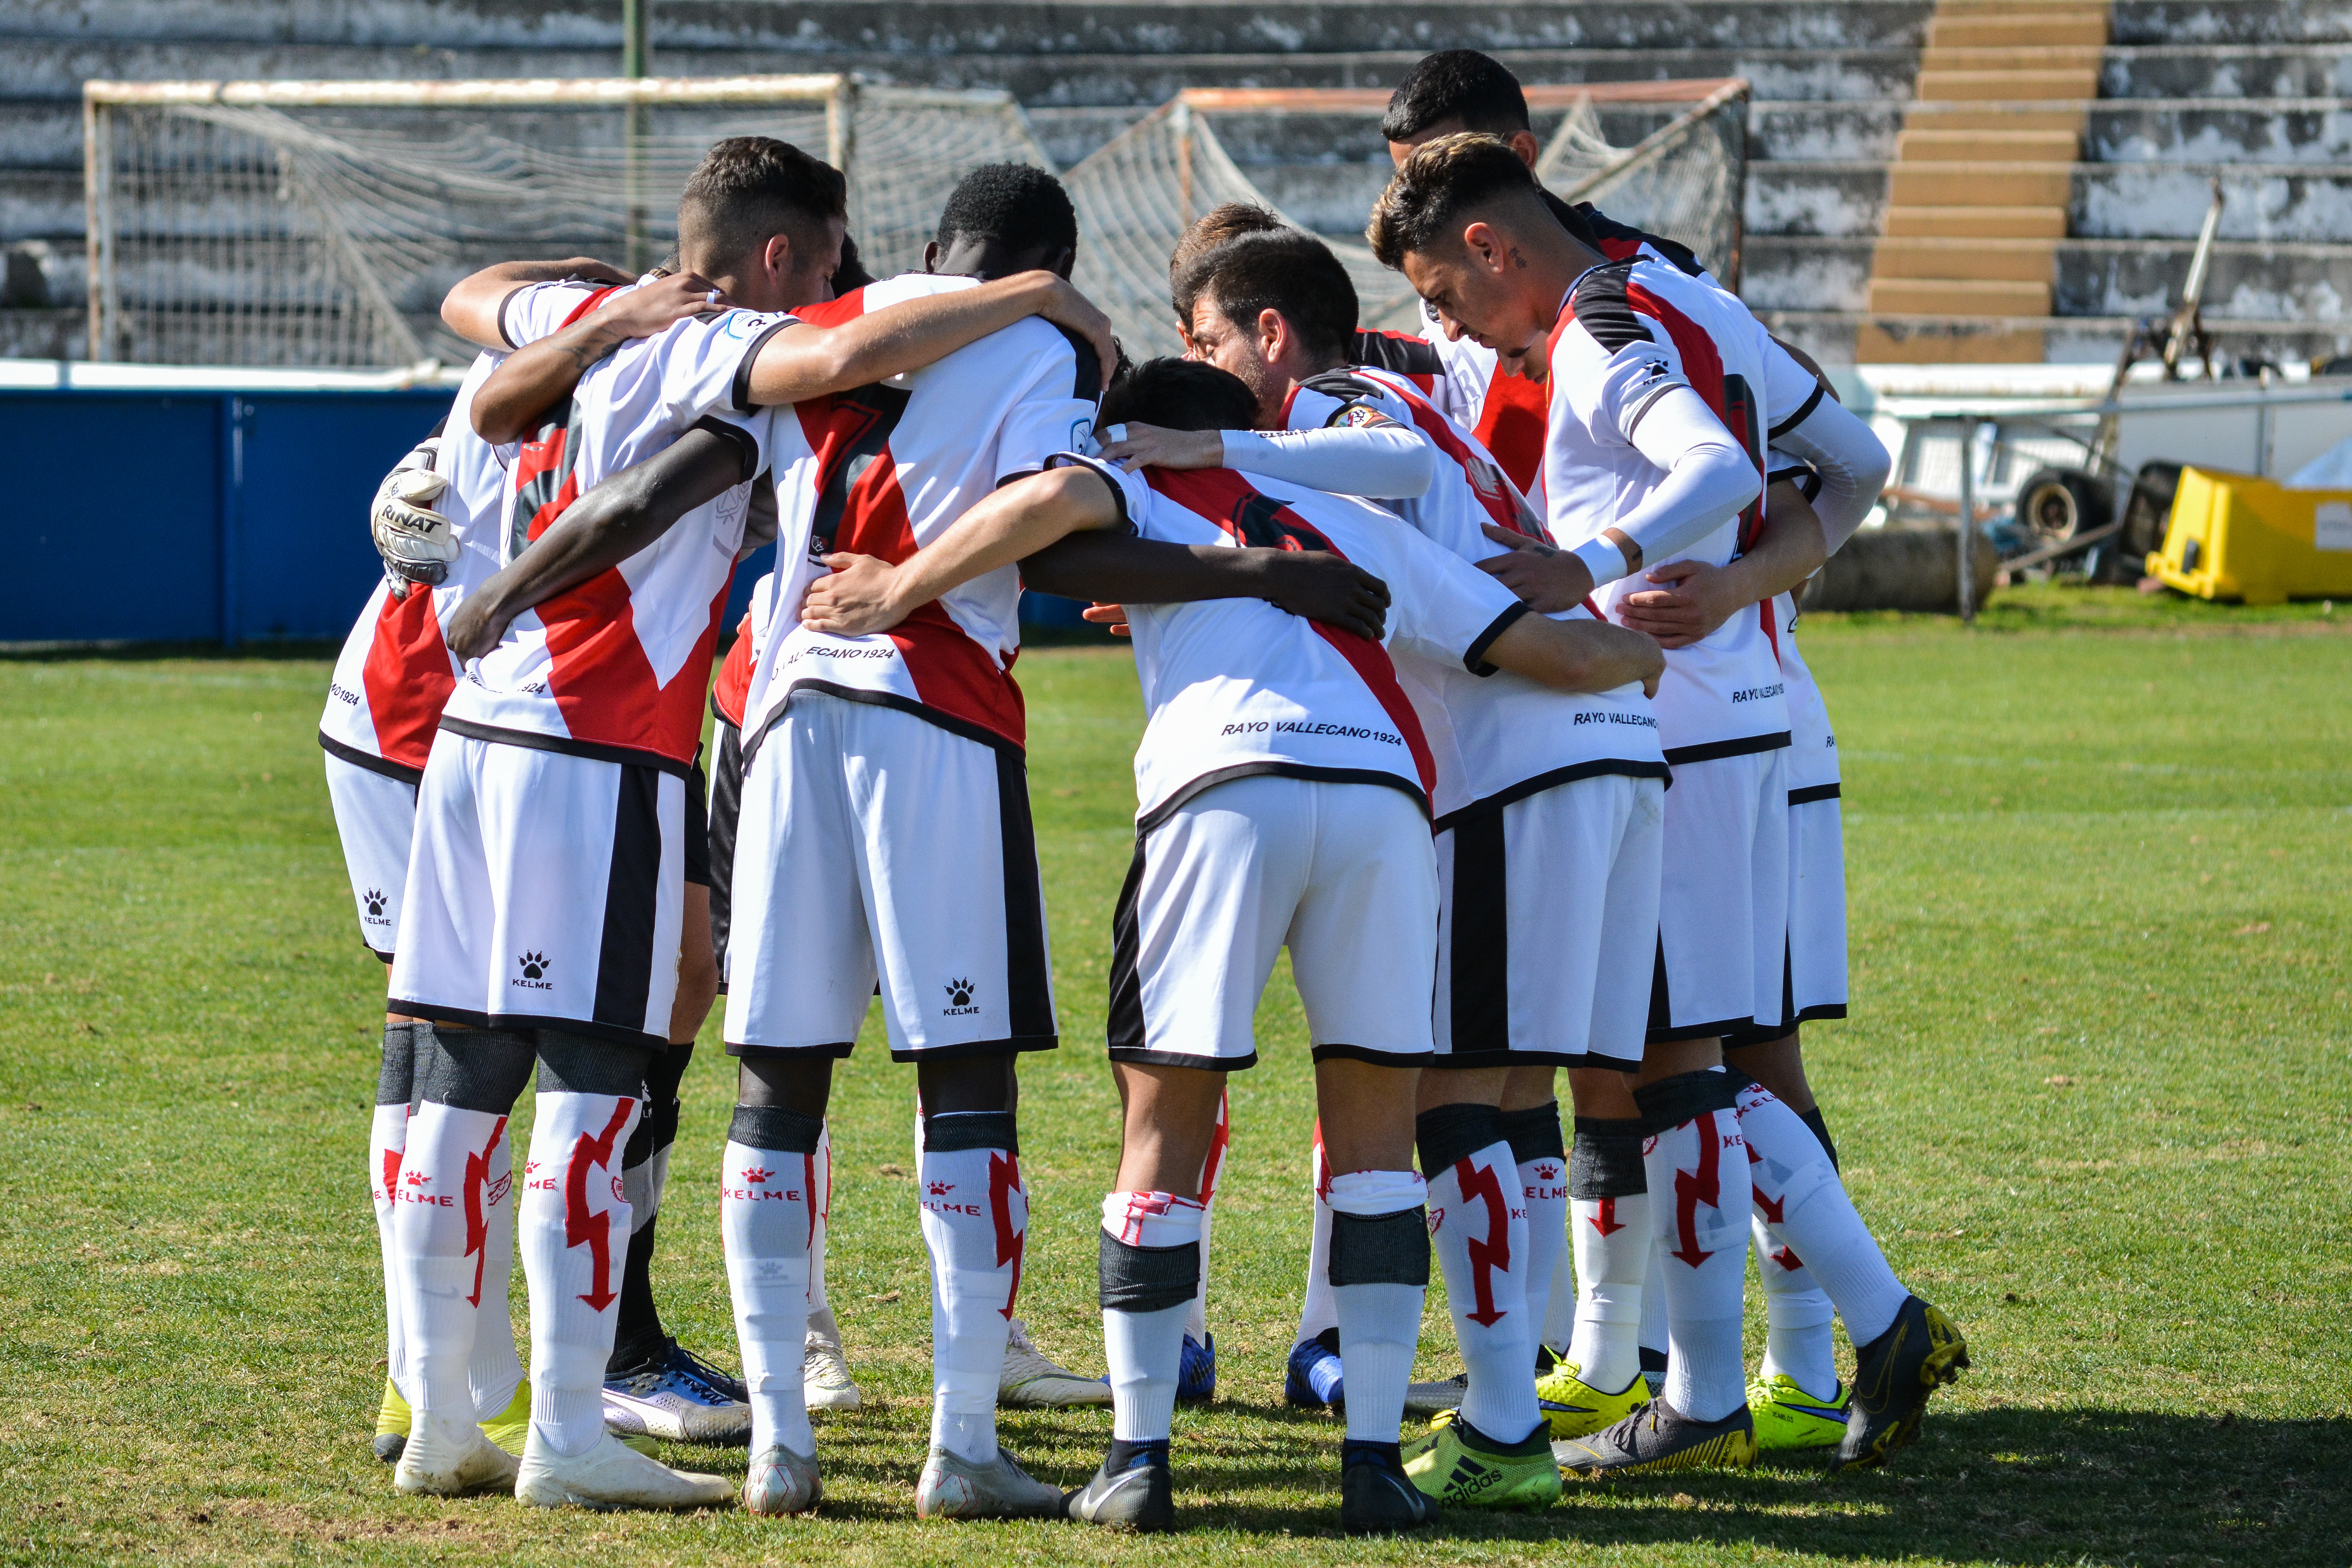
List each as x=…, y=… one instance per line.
x=1486, y=246
x=776, y=255
x=1525, y=144
x=1065, y=263
x=1272, y=332
x=930, y=255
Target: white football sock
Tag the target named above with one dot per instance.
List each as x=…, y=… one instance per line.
x=1797, y=1342
x=1799, y=1197
x=1373, y=1266
x=442, y=1253
x=975, y=1216
x=821, y=1190
x=1144, y=1313
x=1196, y=1322
x=1653, y=1300
x=1317, y=1312
x=1559, y=1300
x=1542, y=1158
x=494, y=1372
x=1480, y=1237
x=1615, y=1243
x=574, y=1228
x=1697, y=1172
x=387, y=1139
x=767, y=1216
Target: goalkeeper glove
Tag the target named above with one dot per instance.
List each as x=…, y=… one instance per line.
x=414, y=540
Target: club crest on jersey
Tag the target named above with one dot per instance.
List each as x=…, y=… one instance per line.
x=960, y=1002
x=534, y=972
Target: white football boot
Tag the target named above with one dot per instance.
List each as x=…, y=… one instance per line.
x=613, y=1476
x=953, y=1487
x=449, y=1457
x=780, y=1482
x=1031, y=1381
x=825, y=1382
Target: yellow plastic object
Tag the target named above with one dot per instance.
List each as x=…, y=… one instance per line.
x=2234, y=536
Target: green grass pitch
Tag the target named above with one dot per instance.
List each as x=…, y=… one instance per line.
x=2094, y=1099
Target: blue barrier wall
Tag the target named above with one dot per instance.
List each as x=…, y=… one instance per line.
x=228, y=517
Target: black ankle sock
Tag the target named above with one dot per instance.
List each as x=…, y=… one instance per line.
x=1652, y=1361
x=1329, y=1339
x=1365, y=1451
x=1538, y=1436
x=639, y=1340
x=1125, y=1456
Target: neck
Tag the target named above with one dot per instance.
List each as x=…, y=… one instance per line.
x=1555, y=262
x=987, y=260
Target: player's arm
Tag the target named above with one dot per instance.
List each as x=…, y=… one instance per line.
x=1577, y=656
x=1709, y=480
x=472, y=308
x=1384, y=461
x=1849, y=456
x=1114, y=568
x=614, y=520
x=811, y=361
x=1693, y=599
x=863, y=594
x=535, y=377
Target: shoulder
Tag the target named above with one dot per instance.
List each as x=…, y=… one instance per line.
x=1399, y=352
x=1603, y=304
x=1342, y=398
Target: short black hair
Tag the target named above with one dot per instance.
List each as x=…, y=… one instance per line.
x=1181, y=395
x=1225, y=221
x=1477, y=90
x=851, y=274
x=748, y=187
x=1019, y=205
x=1285, y=270
x=1445, y=177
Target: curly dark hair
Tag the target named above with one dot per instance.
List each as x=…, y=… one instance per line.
x=1016, y=205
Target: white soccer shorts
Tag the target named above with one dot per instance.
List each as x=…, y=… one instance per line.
x=376, y=814
x=1548, y=930
x=1723, y=898
x=876, y=845
x=545, y=889
x=1342, y=874
x=1817, y=966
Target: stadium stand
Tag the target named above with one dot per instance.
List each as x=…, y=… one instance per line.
x=2256, y=92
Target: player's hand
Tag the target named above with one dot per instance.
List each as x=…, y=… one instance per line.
x=1065, y=307
x=1320, y=586
x=1153, y=445
x=1694, y=599
x=1112, y=615
x=859, y=598
x=478, y=624
x=642, y=312
x=412, y=539
x=1547, y=578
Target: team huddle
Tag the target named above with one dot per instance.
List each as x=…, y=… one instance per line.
x=1470, y=680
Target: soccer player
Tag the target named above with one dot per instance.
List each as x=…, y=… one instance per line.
x=1655, y=447
x=1548, y=811
x=435, y=519
x=1283, y=782
x=544, y=907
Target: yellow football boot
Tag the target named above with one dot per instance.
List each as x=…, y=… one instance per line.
x=1456, y=1464
x=1574, y=1408
x=1789, y=1418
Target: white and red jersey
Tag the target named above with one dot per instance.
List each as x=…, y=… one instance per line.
x=617, y=668
x=1419, y=362
x=1496, y=737
x=888, y=468
x=394, y=671
x=730, y=692
x=1628, y=332
x=1235, y=686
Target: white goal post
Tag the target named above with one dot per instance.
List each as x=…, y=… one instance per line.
x=317, y=224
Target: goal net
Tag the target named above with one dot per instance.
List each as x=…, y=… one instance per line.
x=320, y=223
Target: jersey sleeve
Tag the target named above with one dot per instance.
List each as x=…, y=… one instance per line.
x=1443, y=606
x=536, y=310
x=1791, y=390
x=706, y=362
x=1129, y=490
x=1055, y=410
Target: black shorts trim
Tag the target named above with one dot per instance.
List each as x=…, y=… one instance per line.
x=1479, y=970
x=1169, y=807
x=1662, y=1028
x=947, y=721
x=1124, y=1022
x=1812, y=793
x=726, y=811
x=613, y=1034
x=377, y=950
x=1467, y=1060
x=1712, y=750
x=1013, y=1045
x=594, y=751
x=1183, y=1059
x=1657, y=1037
x=1378, y=1058
x=1602, y=768
x=625, y=954
x=698, y=828
x=1028, y=972
x=838, y=1052
x=1819, y=1012
x=369, y=761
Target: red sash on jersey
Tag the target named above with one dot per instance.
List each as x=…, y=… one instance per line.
x=1224, y=498
x=1511, y=425
x=732, y=690
x=407, y=677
